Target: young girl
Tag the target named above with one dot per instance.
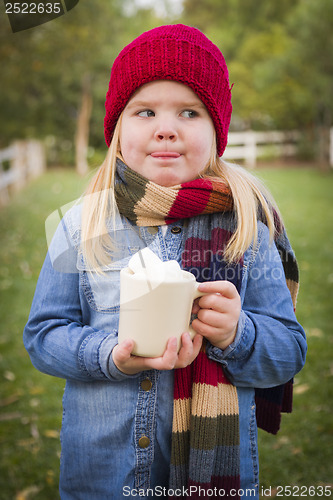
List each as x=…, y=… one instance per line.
x=183, y=424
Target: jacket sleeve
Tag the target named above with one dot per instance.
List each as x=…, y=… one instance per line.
x=270, y=345
x=55, y=336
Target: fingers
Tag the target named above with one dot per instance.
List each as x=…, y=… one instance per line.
x=122, y=351
x=219, y=309
x=211, y=332
x=220, y=295
x=122, y=357
x=189, y=350
x=167, y=361
x=129, y=364
x=195, y=307
x=217, y=312
x=213, y=318
x=225, y=288
x=213, y=301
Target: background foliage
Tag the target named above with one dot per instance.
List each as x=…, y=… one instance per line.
x=279, y=56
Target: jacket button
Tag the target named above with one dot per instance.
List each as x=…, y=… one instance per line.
x=176, y=230
x=144, y=442
x=146, y=384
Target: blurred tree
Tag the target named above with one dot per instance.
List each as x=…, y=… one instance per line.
x=310, y=64
x=46, y=69
x=52, y=73
x=230, y=22
x=266, y=95
x=279, y=55
x=253, y=39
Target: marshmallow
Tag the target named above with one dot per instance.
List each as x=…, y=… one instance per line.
x=143, y=259
x=146, y=265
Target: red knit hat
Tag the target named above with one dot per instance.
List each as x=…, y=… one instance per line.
x=174, y=52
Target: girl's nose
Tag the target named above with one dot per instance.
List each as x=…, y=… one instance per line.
x=166, y=131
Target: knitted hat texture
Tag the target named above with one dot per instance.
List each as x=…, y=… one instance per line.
x=172, y=52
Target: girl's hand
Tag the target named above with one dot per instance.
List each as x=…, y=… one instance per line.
x=217, y=313
x=130, y=364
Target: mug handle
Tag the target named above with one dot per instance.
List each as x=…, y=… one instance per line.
x=196, y=295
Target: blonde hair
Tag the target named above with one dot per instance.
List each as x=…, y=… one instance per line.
x=98, y=204
x=249, y=196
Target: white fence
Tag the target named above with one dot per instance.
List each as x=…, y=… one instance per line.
x=251, y=145
x=19, y=163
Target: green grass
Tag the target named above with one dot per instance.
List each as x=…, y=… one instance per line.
x=30, y=402
x=302, y=452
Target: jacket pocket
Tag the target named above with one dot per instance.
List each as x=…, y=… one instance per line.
x=102, y=291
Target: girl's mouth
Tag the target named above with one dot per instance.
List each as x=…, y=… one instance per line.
x=165, y=154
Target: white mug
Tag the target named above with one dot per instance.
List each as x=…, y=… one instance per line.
x=153, y=311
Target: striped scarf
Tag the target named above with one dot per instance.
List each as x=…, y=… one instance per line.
x=205, y=431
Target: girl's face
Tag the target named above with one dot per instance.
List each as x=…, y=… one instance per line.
x=166, y=133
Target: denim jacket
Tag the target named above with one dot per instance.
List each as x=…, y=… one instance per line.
x=72, y=329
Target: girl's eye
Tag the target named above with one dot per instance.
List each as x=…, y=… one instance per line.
x=189, y=113
x=147, y=113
